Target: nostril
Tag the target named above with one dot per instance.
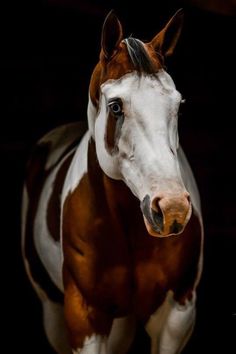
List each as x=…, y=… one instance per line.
x=187, y=196
x=152, y=212
x=176, y=227
x=155, y=204
x=157, y=214
x=158, y=218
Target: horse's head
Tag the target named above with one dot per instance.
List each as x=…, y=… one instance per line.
x=133, y=114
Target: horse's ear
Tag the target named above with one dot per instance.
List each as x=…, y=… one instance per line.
x=112, y=35
x=165, y=41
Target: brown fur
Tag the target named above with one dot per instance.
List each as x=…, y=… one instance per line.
x=112, y=265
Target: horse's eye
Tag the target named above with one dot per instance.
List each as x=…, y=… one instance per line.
x=116, y=108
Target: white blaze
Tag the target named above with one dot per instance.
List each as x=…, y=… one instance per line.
x=147, y=147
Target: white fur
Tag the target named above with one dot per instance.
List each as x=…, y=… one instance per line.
x=149, y=133
x=24, y=210
x=91, y=114
x=49, y=250
x=109, y=164
x=121, y=335
x=118, y=342
x=171, y=325
x=95, y=344
x=78, y=167
x=54, y=325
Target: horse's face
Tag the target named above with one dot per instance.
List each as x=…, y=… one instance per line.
x=135, y=130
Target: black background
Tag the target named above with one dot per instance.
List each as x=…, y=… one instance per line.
x=48, y=52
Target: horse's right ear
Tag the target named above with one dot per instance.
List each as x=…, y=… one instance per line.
x=165, y=41
x=112, y=35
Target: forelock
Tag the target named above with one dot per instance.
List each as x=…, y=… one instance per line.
x=140, y=58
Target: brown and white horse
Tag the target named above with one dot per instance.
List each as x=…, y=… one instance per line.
x=112, y=227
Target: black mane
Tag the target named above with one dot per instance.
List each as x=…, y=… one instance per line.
x=139, y=56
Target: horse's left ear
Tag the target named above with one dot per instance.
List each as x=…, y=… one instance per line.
x=112, y=35
x=165, y=41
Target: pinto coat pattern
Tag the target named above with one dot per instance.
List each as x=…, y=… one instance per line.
x=112, y=231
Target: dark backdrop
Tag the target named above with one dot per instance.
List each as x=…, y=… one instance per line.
x=47, y=56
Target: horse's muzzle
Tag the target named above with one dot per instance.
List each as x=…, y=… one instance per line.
x=166, y=215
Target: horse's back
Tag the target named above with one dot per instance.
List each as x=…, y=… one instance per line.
x=45, y=175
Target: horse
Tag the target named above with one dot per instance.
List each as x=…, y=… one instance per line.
x=112, y=230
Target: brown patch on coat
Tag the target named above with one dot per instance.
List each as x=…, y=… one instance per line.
x=111, y=264
x=86, y=221
x=158, y=264
x=81, y=317
x=111, y=133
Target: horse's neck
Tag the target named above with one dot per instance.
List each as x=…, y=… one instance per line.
x=115, y=193
x=85, y=164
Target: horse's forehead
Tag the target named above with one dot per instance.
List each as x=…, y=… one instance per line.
x=132, y=83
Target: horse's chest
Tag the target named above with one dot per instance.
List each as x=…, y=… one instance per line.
x=116, y=277
x=118, y=266
x=139, y=278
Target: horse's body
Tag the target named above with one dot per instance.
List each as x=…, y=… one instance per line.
x=87, y=245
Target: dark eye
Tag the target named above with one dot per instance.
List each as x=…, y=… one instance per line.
x=116, y=108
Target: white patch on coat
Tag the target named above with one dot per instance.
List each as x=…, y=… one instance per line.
x=24, y=210
x=60, y=139
x=171, y=325
x=78, y=167
x=48, y=249
x=121, y=335
x=147, y=158
x=118, y=342
x=54, y=325
x=109, y=163
x=91, y=114
x=95, y=344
